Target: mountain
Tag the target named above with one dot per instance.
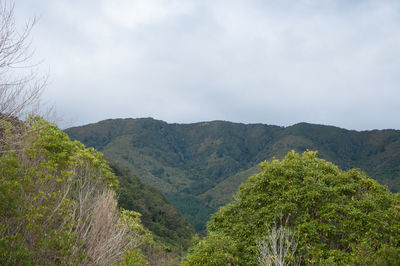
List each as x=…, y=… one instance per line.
x=158, y=215
x=199, y=166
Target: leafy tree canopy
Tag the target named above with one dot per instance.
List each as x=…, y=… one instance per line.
x=57, y=201
x=338, y=217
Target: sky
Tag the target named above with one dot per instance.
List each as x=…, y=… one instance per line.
x=332, y=62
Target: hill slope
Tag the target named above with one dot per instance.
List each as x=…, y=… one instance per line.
x=197, y=166
x=158, y=215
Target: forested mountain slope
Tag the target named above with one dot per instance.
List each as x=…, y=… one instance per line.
x=157, y=214
x=198, y=166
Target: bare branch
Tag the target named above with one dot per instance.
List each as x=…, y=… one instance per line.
x=20, y=85
x=278, y=247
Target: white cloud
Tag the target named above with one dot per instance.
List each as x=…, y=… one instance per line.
x=275, y=62
x=130, y=14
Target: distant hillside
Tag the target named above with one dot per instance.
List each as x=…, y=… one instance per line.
x=199, y=166
x=158, y=215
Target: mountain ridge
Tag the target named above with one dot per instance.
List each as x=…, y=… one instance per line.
x=187, y=161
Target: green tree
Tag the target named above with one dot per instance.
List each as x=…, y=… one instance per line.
x=339, y=217
x=217, y=249
x=57, y=201
x=57, y=198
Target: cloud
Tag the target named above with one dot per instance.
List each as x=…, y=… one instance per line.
x=132, y=14
x=276, y=62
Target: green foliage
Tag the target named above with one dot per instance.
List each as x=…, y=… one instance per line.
x=216, y=249
x=133, y=258
x=12, y=250
x=131, y=220
x=31, y=182
x=134, y=255
x=340, y=217
x=193, y=208
x=51, y=191
x=157, y=214
x=222, y=193
x=206, y=162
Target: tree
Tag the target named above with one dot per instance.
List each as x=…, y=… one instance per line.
x=339, y=217
x=58, y=205
x=217, y=249
x=57, y=198
x=20, y=85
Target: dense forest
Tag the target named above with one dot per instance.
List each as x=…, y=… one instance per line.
x=157, y=214
x=198, y=167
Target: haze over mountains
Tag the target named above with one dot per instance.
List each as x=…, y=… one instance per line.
x=199, y=166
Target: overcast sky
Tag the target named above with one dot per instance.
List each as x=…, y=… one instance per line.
x=334, y=62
